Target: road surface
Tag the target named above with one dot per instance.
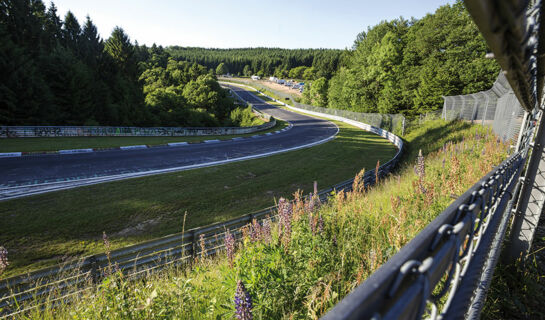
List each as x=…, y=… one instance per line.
x=36, y=174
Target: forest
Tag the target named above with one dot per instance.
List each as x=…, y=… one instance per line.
x=405, y=66
x=60, y=72
x=305, y=64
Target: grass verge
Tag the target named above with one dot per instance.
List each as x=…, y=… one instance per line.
x=50, y=228
x=316, y=255
x=46, y=144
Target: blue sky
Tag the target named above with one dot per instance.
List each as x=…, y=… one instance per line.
x=244, y=23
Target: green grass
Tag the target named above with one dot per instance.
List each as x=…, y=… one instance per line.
x=302, y=271
x=62, y=143
x=45, y=229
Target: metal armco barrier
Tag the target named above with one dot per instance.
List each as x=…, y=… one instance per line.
x=81, y=131
x=135, y=261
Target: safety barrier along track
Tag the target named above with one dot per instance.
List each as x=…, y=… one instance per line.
x=138, y=260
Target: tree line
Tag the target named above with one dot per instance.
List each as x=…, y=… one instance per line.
x=60, y=72
x=305, y=64
x=405, y=66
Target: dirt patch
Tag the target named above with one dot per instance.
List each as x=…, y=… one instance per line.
x=138, y=229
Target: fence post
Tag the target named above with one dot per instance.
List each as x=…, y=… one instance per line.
x=193, y=246
x=485, y=109
x=531, y=201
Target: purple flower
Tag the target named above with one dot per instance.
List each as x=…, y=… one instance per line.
x=255, y=231
x=4, y=263
x=285, y=213
x=321, y=224
x=266, y=230
x=230, y=246
x=243, y=303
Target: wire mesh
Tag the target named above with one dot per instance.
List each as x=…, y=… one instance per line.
x=497, y=107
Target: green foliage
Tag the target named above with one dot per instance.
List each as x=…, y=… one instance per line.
x=57, y=72
x=263, y=61
x=407, y=65
x=244, y=117
x=316, y=93
x=222, y=69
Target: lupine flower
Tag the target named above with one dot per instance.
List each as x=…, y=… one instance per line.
x=4, y=263
x=230, y=246
x=312, y=223
x=243, y=303
x=266, y=230
x=255, y=231
x=444, y=161
x=285, y=212
x=321, y=224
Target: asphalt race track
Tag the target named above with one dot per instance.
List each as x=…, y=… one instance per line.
x=34, y=174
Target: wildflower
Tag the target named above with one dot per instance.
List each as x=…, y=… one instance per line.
x=285, y=212
x=266, y=230
x=3, y=259
x=230, y=246
x=107, y=271
x=255, y=231
x=243, y=303
x=358, y=186
x=321, y=224
x=444, y=163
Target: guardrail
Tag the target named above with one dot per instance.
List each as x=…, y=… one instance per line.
x=138, y=260
x=84, y=131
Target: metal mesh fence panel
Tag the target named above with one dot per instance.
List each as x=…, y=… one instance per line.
x=496, y=107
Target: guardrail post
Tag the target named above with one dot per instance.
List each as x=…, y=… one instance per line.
x=95, y=273
x=531, y=202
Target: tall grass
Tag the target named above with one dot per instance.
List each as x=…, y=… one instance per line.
x=315, y=254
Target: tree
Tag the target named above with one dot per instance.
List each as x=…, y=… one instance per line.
x=119, y=47
x=71, y=32
x=222, y=69
x=317, y=93
x=246, y=71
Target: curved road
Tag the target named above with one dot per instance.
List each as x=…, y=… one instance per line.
x=35, y=174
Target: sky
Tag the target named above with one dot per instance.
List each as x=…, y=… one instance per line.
x=244, y=23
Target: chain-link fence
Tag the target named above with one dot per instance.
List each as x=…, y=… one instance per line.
x=497, y=107
x=392, y=122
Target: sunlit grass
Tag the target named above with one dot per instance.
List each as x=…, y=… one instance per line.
x=301, y=271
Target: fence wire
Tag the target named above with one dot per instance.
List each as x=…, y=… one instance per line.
x=497, y=107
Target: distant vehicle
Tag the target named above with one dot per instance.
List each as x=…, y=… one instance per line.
x=280, y=81
x=273, y=79
x=256, y=77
